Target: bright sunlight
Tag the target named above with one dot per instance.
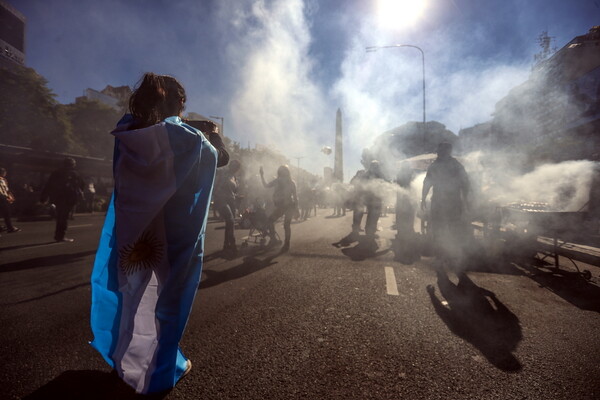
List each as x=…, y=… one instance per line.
x=399, y=13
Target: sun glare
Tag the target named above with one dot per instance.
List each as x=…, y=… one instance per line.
x=399, y=13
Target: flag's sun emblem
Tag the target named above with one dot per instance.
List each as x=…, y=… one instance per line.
x=146, y=252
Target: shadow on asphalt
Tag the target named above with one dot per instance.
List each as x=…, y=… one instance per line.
x=24, y=246
x=359, y=253
x=87, y=384
x=249, y=266
x=47, y=261
x=49, y=294
x=479, y=317
x=249, y=251
x=570, y=285
x=366, y=248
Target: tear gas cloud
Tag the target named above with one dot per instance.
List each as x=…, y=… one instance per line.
x=274, y=94
x=278, y=102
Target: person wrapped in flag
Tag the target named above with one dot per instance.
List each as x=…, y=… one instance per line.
x=149, y=260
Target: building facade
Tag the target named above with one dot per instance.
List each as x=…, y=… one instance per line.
x=12, y=36
x=555, y=114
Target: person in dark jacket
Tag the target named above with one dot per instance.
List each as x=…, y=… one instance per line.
x=449, y=201
x=365, y=197
x=285, y=200
x=64, y=188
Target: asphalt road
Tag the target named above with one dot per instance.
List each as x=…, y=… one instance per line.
x=312, y=323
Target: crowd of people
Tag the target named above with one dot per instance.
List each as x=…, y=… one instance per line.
x=59, y=195
x=151, y=246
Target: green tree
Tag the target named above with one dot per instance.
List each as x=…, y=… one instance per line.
x=30, y=116
x=92, y=122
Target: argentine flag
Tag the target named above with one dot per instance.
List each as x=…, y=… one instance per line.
x=149, y=260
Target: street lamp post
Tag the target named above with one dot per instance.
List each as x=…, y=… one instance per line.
x=375, y=48
x=222, y=124
x=298, y=158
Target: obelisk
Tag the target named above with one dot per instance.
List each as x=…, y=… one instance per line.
x=338, y=163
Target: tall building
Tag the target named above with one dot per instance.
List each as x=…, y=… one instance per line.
x=338, y=164
x=556, y=112
x=115, y=97
x=12, y=36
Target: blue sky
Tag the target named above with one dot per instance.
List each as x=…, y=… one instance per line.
x=277, y=70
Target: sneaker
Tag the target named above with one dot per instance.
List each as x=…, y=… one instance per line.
x=351, y=237
x=14, y=229
x=188, y=368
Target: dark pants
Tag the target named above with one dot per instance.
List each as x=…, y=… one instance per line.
x=5, y=212
x=226, y=211
x=62, y=215
x=288, y=213
x=373, y=214
x=448, y=229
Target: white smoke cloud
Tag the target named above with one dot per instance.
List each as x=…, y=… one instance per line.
x=382, y=90
x=564, y=186
x=276, y=102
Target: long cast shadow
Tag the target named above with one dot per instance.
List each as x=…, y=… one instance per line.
x=569, y=285
x=23, y=246
x=249, y=266
x=479, y=317
x=358, y=253
x=47, y=261
x=49, y=294
x=249, y=251
x=87, y=384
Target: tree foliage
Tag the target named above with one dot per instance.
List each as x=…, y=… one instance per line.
x=92, y=122
x=30, y=116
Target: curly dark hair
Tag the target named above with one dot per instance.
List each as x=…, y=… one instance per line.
x=156, y=98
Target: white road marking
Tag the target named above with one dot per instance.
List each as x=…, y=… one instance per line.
x=390, y=280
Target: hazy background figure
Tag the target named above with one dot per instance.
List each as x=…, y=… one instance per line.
x=405, y=211
x=64, y=188
x=406, y=245
x=339, y=195
x=372, y=196
x=365, y=196
x=6, y=200
x=224, y=198
x=285, y=201
x=449, y=201
x=307, y=198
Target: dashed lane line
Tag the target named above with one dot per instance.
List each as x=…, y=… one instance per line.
x=390, y=281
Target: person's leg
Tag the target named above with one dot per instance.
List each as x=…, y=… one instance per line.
x=5, y=212
x=227, y=215
x=287, y=227
x=357, y=216
x=373, y=214
x=62, y=215
x=275, y=215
